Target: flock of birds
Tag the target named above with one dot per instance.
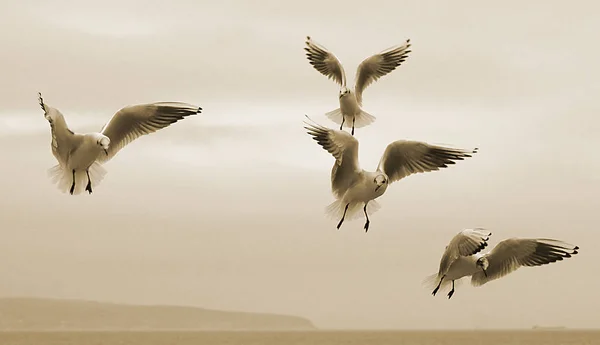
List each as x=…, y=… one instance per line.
x=81, y=157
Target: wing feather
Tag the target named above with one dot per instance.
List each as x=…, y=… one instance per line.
x=513, y=253
x=134, y=121
x=325, y=62
x=344, y=148
x=403, y=158
x=63, y=138
x=465, y=243
x=379, y=65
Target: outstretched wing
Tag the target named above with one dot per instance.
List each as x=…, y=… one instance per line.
x=63, y=138
x=378, y=65
x=344, y=148
x=403, y=157
x=465, y=243
x=134, y=121
x=513, y=253
x=325, y=62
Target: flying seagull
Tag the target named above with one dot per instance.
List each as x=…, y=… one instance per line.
x=80, y=155
x=350, y=113
x=462, y=257
x=353, y=186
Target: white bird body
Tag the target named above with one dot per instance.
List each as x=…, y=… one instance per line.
x=463, y=258
x=80, y=156
x=350, y=113
x=354, y=187
x=86, y=153
x=365, y=188
x=464, y=266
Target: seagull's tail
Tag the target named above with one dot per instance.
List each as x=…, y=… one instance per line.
x=335, y=210
x=361, y=120
x=63, y=178
x=431, y=282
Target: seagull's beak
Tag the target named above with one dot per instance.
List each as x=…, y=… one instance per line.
x=484, y=272
x=378, y=186
x=106, y=151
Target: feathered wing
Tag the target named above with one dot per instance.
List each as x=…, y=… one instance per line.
x=377, y=66
x=403, y=158
x=134, y=121
x=466, y=243
x=63, y=139
x=325, y=62
x=344, y=148
x=513, y=253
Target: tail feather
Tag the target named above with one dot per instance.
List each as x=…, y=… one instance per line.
x=335, y=210
x=431, y=282
x=63, y=178
x=361, y=120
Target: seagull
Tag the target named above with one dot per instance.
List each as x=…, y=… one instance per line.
x=370, y=70
x=462, y=257
x=80, y=155
x=353, y=186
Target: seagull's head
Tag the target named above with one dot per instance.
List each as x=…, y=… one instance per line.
x=380, y=180
x=103, y=141
x=483, y=263
x=344, y=91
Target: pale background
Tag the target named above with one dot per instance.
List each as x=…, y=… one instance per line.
x=225, y=210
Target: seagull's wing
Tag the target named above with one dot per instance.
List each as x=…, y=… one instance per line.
x=63, y=139
x=403, y=157
x=325, y=62
x=465, y=243
x=513, y=253
x=344, y=148
x=134, y=121
x=378, y=65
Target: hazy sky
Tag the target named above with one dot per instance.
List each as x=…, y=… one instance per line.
x=226, y=210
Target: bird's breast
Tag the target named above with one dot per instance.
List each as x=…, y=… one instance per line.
x=84, y=155
x=349, y=105
x=363, y=192
x=462, y=267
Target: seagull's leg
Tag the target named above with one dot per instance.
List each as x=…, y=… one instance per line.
x=88, y=188
x=366, y=215
x=451, y=291
x=73, y=184
x=438, y=287
x=343, y=120
x=343, y=216
x=353, y=120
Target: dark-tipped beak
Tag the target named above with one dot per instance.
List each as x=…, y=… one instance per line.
x=484, y=272
x=106, y=151
x=376, y=188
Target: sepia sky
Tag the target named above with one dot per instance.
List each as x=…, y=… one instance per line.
x=225, y=210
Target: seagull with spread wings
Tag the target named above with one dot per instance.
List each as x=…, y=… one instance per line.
x=462, y=257
x=354, y=187
x=80, y=155
x=350, y=113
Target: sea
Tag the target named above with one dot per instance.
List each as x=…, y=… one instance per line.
x=525, y=337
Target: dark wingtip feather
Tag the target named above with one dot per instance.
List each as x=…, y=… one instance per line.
x=41, y=101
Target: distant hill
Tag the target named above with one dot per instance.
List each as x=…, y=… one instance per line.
x=37, y=314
